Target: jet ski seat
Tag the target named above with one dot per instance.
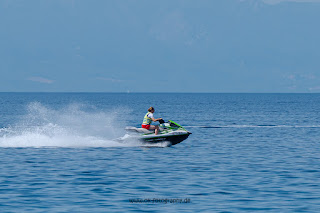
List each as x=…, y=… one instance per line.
x=139, y=130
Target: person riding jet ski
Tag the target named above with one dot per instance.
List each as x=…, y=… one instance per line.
x=168, y=131
x=148, y=118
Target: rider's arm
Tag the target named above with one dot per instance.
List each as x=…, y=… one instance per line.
x=154, y=120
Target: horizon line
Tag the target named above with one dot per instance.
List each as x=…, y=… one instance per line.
x=179, y=92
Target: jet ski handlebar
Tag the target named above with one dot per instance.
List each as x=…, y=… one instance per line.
x=161, y=121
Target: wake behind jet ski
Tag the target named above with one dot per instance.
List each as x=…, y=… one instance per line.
x=168, y=131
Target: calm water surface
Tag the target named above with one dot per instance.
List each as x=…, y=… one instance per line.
x=248, y=152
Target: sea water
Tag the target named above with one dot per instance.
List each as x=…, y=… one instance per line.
x=60, y=152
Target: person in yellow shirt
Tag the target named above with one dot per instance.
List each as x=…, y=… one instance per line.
x=148, y=118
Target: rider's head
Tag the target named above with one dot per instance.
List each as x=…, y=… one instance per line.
x=151, y=109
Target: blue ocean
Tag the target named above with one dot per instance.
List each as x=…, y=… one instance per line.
x=60, y=152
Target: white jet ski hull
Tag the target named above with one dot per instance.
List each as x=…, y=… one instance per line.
x=173, y=137
x=172, y=133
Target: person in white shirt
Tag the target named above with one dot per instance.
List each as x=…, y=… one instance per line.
x=148, y=118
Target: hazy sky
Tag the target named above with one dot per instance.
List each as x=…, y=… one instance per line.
x=160, y=46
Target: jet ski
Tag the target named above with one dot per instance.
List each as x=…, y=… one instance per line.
x=169, y=131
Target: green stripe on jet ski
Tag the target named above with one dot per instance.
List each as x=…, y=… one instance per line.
x=177, y=125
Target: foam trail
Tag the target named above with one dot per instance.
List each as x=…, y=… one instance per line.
x=256, y=126
x=72, y=126
x=132, y=139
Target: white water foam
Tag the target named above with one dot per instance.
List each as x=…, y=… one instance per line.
x=128, y=139
x=71, y=126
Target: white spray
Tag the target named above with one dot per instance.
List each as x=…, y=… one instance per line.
x=75, y=125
